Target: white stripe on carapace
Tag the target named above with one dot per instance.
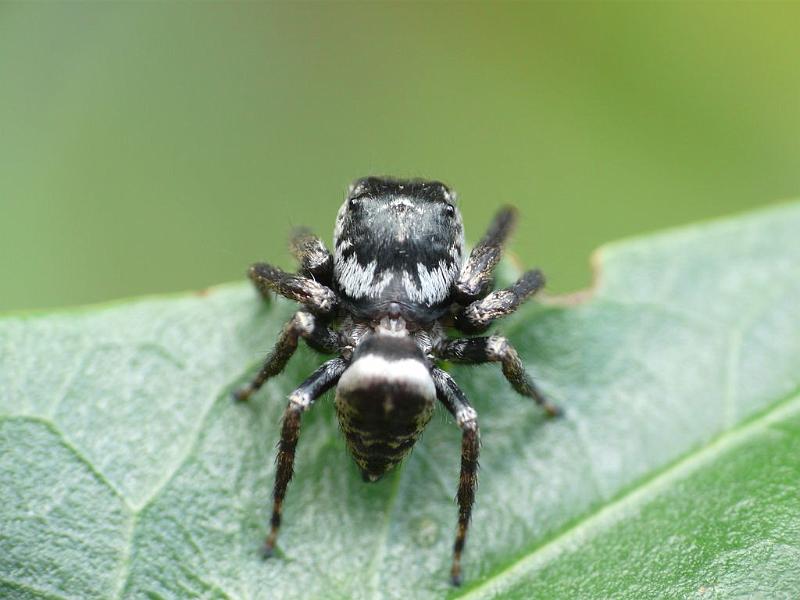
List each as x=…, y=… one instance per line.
x=358, y=280
x=370, y=369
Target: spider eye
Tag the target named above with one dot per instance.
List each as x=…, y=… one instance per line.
x=450, y=210
x=353, y=203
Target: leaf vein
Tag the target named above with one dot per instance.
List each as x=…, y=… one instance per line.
x=611, y=512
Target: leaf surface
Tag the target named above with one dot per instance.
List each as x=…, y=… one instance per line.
x=127, y=472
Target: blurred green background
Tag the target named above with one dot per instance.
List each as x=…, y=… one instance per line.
x=158, y=147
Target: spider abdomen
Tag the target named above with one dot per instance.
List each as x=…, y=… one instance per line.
x=383, y=401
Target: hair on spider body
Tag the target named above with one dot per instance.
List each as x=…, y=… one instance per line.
x=397, y=243
x=397, y=278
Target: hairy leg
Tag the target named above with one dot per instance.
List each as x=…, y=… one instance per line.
x=318, y=335
x=316, y=262
x=479, y=315
x=300, y=401
x=318, y=298
x=477, y=273
x=496, y=349
x=451, y=396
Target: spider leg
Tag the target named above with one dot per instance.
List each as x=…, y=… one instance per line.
x=476, y=275
x=300, y=400
x=496, y=348
x=454, y=400
x=479, y=315
x=303, y=324
x=318, y=298
x=316, y=262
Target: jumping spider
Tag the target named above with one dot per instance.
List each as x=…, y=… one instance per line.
x=383, y=302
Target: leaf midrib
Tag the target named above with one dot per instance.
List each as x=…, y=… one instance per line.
x=646, y=489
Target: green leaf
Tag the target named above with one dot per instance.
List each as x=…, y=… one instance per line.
x=126, y=471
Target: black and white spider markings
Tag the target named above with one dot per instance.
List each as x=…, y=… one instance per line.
x=383, y=302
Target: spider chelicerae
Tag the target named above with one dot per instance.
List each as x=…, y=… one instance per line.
x=383, y=302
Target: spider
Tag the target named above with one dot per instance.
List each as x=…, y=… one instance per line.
x=383, y=301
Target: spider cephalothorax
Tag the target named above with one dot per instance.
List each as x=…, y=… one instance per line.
x=398, y=242
x=397, y=279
